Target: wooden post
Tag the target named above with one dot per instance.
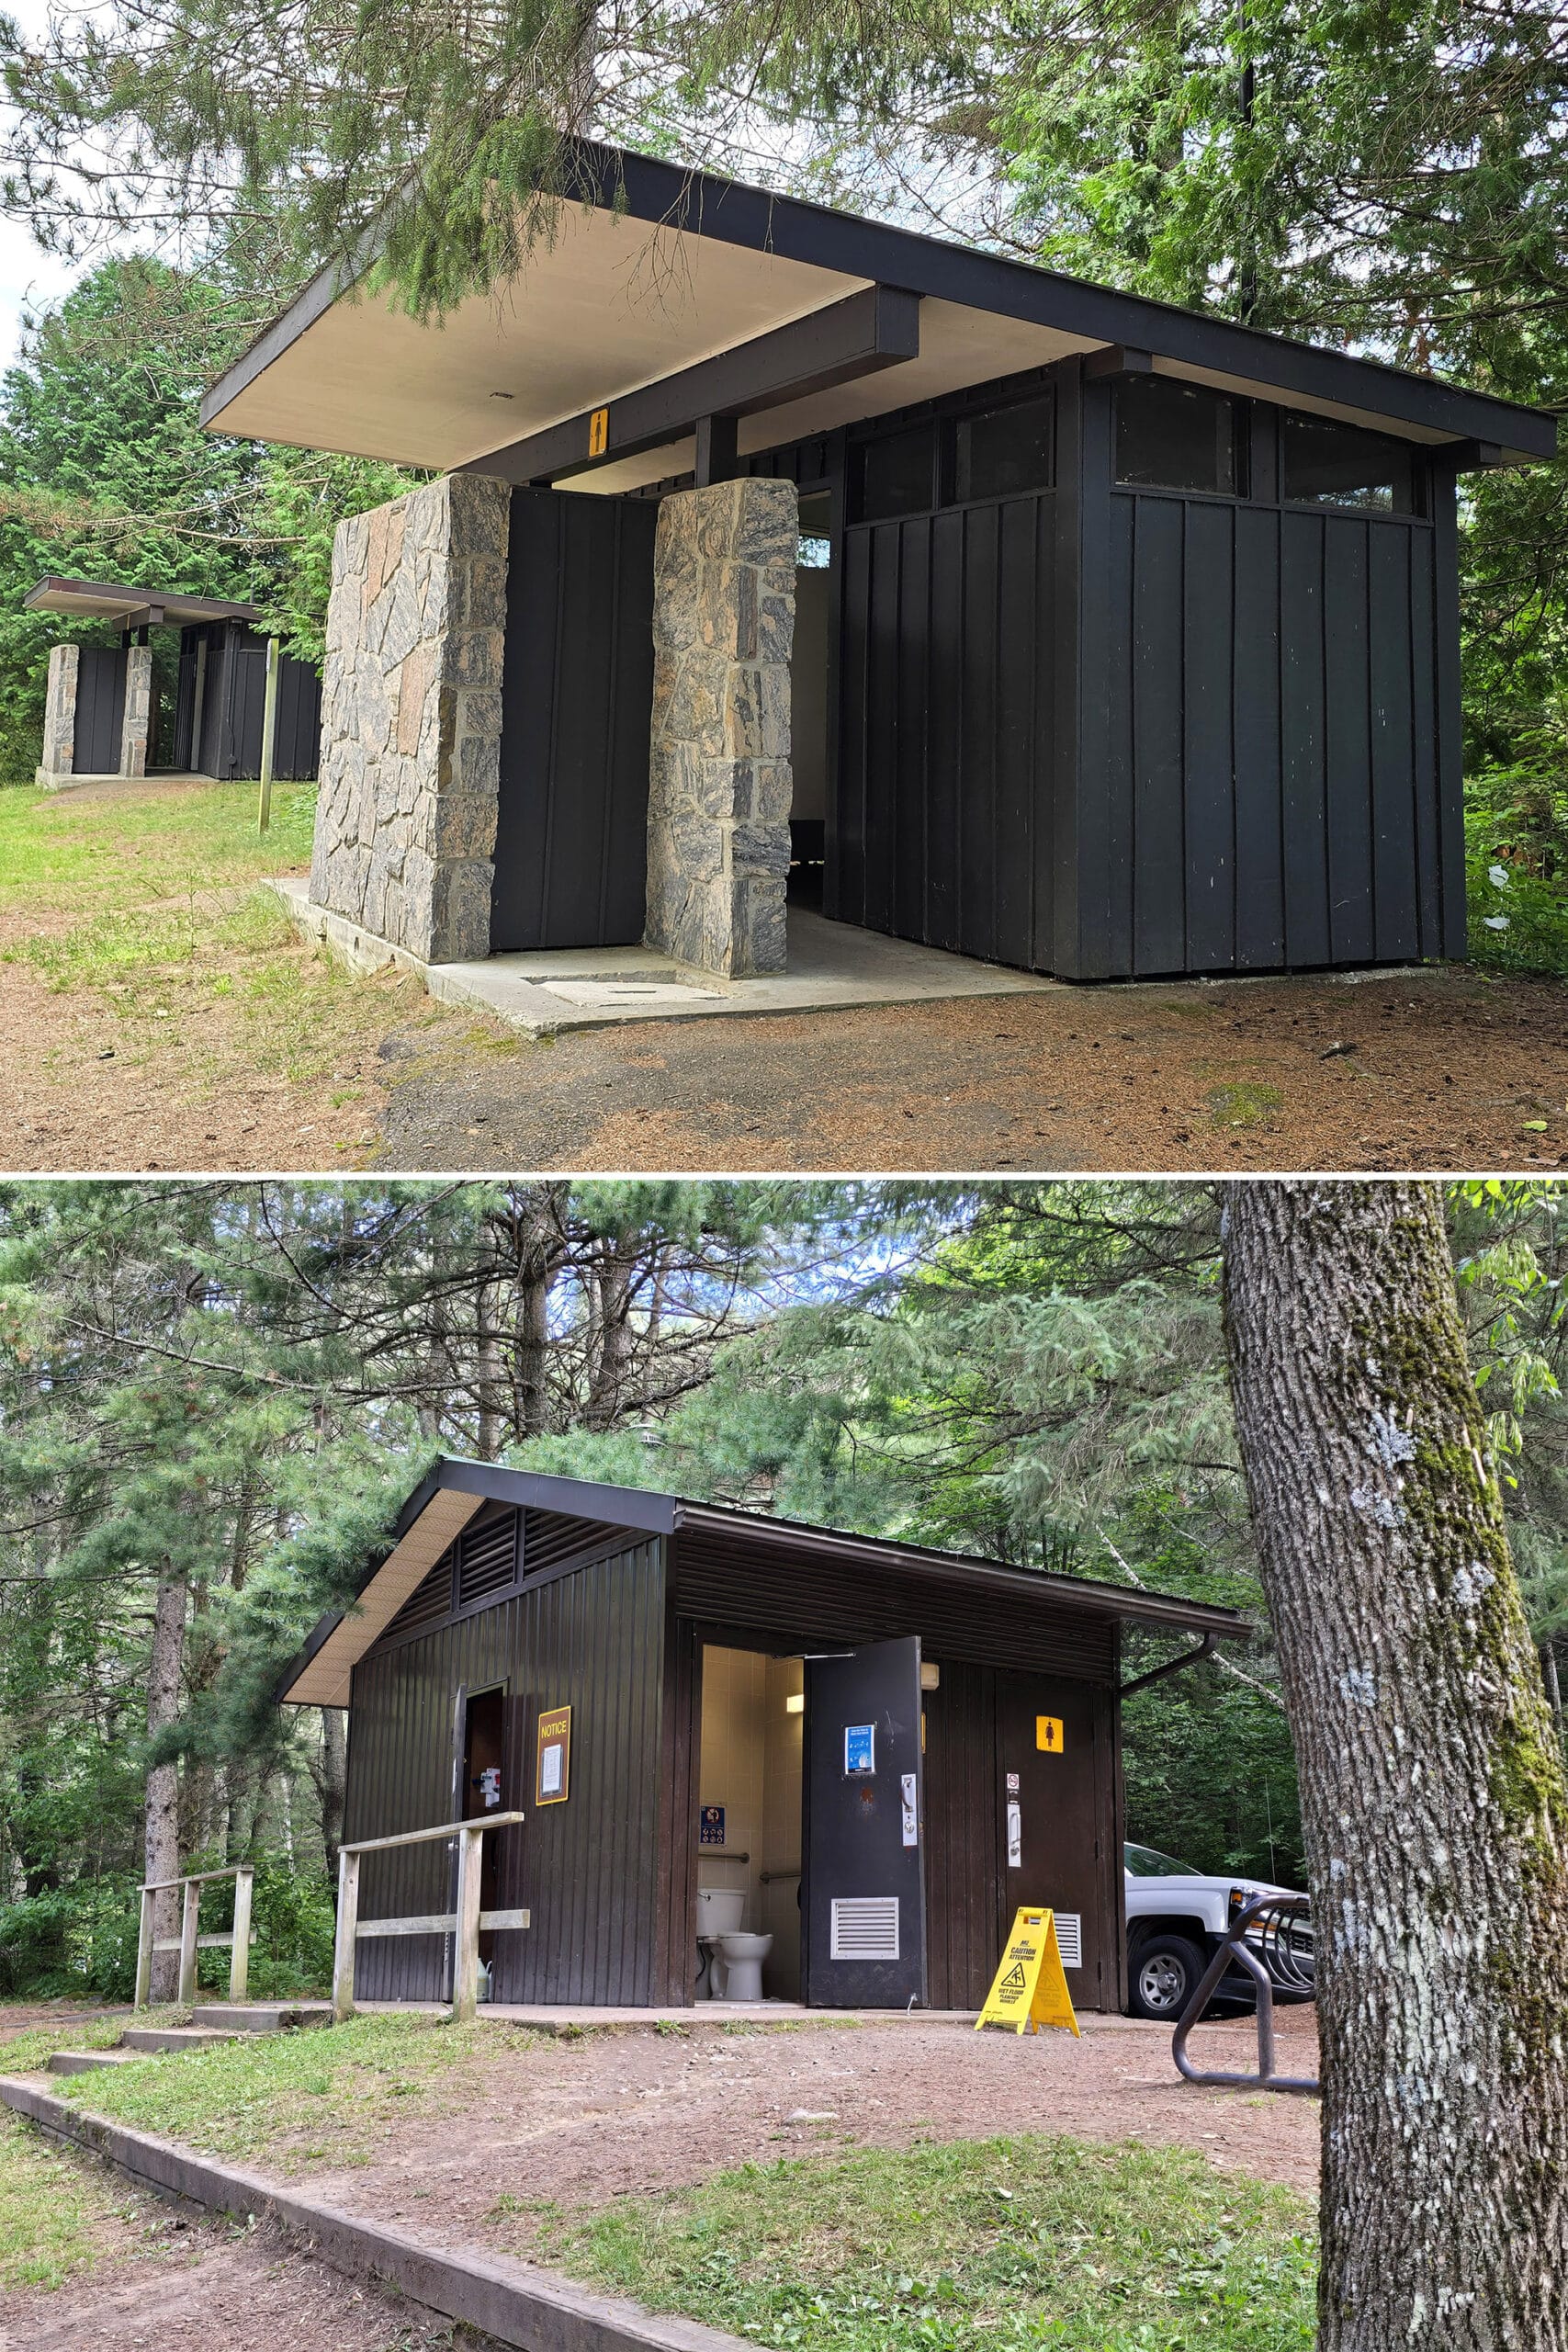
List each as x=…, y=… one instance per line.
x=466, y=1961
x=239, y=1952
x=270, y=730
x=144, y=1950
x=347, y=1932
x=188, y=1942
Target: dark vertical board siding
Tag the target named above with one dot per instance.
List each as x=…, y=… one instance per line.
x=944, y=769
x=946, y=667
x=1207, y=749
x=1120, y=761
x=1155, y=686
x=1090, y=836
x=577, y=698
x=1259, y=862
x=100, y=710
x=1426, y=784
x=844, y=893
x=1301, y=734
x=962, y=1893
x=1347, y=734
x=1396, y=930
x=591, y=1639
x=911, y=688
x=979, y=685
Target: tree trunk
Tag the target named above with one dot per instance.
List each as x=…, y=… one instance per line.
x=163, y=1830
x=332, y=1781
x=1432, y=1786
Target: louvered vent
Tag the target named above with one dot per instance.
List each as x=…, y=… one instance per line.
x=1069, y=1937
x=428, y=1603
x=487, y=1559
x=551, y=1536
x=866, y=1927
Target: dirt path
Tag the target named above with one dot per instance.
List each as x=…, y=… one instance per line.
x=576, y=2123
x=1442, y=1069
x=207, y=2289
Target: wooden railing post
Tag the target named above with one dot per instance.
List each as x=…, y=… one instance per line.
x=240, y=1954
x=144, y=1950
x=466, y=1961
x=347, y=1933
x=188, y=1921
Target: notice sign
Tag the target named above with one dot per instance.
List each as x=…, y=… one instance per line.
x=553, y=1774
x=1048, y=1734
x=1030, y=1988
x=860, y=1751
x=710, y=1826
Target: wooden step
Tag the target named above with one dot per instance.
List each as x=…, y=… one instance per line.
x=86, y=2062
x=261, y=2017
x=173, y=2037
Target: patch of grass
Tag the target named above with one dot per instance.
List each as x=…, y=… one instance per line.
x=269, y=2091
x=27, y=2052
x=1245, y=1104
x=53, y=2210
x=58, y=851
x=965, y=2246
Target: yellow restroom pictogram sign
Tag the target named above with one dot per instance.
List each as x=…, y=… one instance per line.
x=1029, y=1988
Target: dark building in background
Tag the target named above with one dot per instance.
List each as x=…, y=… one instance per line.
x=883, y=1751
x=122, y=710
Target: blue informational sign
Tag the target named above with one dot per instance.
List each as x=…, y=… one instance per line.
x=859, y=1750
x=710, y=1826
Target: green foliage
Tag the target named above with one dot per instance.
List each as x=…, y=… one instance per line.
x=964, y=2246
x=325, y=2094
x=1516, y=864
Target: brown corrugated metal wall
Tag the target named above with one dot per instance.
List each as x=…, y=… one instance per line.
x=592, y=1639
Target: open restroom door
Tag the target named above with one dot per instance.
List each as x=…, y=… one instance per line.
x=864, y=1814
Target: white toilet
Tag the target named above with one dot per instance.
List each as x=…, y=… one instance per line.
x=720, y=1910
x=742, y=1957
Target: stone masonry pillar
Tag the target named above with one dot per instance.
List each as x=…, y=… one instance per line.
x=720, y=780
x=411, y=718
x=138, y=710
x=60, y=714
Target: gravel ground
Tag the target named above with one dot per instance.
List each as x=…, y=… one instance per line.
x=1442, y=1070
x=614, y=2114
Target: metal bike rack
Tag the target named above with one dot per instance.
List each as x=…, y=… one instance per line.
x=1266, y=1939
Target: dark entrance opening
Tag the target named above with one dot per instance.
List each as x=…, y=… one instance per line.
x=483, y=1778
x=808, y=690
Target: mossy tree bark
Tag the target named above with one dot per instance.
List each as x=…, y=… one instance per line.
x=1432, y=1785
x=162, y=1849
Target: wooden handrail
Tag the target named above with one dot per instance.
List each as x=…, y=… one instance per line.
x=237, y=1939
x=465, y=1922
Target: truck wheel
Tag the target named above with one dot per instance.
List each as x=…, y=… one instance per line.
x=1162, y=1977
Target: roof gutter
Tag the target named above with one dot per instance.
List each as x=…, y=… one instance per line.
x=1205, y=1648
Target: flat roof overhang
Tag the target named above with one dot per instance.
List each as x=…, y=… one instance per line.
x=102, y=600
x=653, y=273
x=445, y=1501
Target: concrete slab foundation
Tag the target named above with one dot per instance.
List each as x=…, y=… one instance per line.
x=831, y=966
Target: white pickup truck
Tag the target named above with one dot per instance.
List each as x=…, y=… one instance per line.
x=1175, y=1917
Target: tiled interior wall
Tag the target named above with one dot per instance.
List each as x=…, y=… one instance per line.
x=751, y=1764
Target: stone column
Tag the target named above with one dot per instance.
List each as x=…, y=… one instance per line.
x=60, y=714
x=719, y=782
x=411, y=718
x=138, y=707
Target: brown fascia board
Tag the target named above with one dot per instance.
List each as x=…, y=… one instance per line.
x=667, y=194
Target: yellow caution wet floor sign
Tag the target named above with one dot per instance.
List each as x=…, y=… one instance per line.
x=1030, y=1988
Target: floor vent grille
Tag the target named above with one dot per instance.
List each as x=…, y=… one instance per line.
x=866, y=1927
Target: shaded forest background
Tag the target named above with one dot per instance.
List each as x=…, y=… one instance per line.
x=217, y=1395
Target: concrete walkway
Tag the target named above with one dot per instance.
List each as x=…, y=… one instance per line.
x=831, y=966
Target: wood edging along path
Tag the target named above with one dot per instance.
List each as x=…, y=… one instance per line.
x=509, y=2301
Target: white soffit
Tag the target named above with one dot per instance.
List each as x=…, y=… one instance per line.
x=611, y=304
x=958, y=347
x=324, y=1682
